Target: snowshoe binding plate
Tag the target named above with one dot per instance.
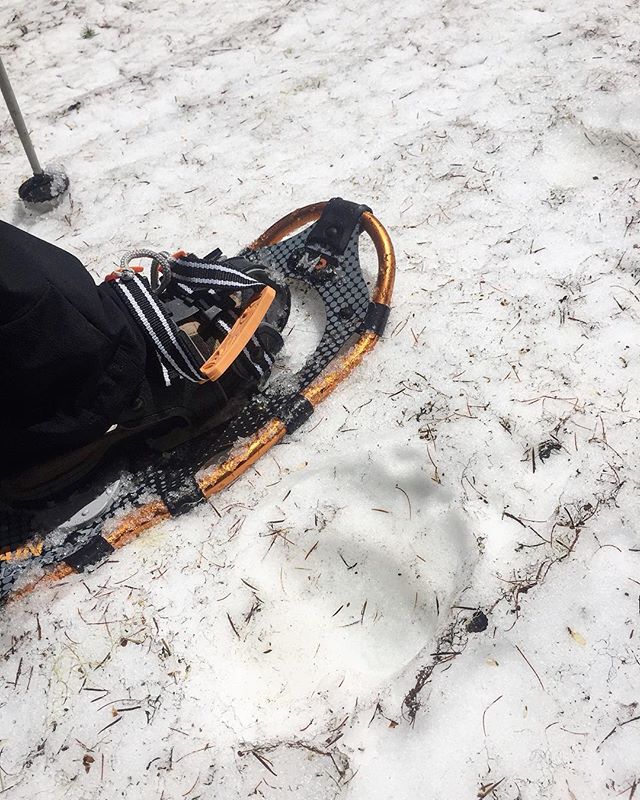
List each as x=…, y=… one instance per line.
x=317, y=245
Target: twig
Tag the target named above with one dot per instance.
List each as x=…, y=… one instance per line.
x=484, y=730
x=532, y=668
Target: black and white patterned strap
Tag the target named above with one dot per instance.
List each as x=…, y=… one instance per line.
x=253, y=356
x=197, y=273
x=159, y=329
x=189, y=273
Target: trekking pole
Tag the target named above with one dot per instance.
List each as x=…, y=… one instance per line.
x=43, y=189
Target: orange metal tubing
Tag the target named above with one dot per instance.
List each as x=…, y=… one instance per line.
x=220, y=477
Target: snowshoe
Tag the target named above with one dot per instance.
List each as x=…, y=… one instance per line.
x=213, y=319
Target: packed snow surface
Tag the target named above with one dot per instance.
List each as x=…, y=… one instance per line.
x=431, y=590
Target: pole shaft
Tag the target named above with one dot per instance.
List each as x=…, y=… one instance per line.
x=18, y=120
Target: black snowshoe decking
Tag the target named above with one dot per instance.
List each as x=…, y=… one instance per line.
x=124, y=498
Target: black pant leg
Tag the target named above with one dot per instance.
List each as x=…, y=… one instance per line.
x=71, y=357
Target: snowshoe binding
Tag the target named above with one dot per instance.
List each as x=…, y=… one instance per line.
x=213, y=327
x=216, y=327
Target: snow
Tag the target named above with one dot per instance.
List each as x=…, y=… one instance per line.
x=306, y=636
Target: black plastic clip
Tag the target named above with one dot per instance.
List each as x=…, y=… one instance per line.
x=375, y=319
x=296, y=413
x=180, y=502
x=333, y=231
x=91, y=553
